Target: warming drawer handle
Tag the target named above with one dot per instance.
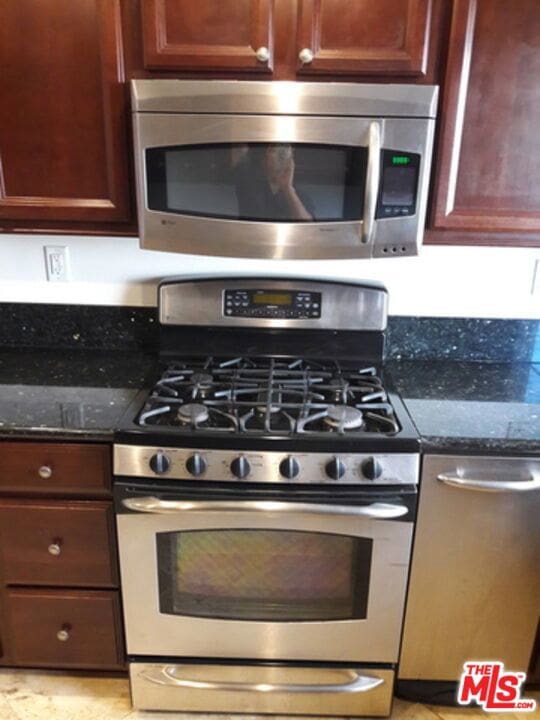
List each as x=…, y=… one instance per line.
x=150, y=504
x=533, y=483
x=372, y=181
x=355, y=683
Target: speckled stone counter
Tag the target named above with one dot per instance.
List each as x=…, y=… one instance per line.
x=472, y=407
x=470, y=385
x=77, y=395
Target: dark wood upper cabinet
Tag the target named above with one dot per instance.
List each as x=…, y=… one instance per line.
x=488, y=163
x=386, y=37
x=208, y=35
x=63, y=144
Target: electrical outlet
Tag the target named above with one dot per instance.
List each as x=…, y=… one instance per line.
x=57, y=263
x=535, y=285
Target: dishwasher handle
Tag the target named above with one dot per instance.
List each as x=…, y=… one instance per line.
x=533, y=483
x=154, y=505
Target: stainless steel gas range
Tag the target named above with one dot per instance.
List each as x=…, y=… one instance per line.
x=265, y=494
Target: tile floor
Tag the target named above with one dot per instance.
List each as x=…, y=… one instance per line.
x=54, y=696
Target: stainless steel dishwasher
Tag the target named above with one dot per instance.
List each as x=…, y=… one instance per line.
x=474, y=590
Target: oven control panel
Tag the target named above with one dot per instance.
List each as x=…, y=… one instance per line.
x=272, y=304
x=266, y=466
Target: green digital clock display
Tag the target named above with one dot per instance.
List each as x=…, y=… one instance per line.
x=400, y=160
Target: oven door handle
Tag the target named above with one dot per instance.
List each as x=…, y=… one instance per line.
x=355, y=683
x=150, y=504
x=372, y=180
x=533, y=483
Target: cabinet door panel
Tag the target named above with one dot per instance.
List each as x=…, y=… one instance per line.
x=202, y=35
x=387, y=37
x=489, y=155
x=62, y=135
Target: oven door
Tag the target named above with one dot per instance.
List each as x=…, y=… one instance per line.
x=282, y=186
x=210, y=575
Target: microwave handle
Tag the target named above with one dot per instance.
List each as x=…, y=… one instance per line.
x=372, y=180
x=354, y=683
x=150, y=504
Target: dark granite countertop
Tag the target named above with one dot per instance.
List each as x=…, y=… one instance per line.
x=456, y=406
x=73, y=394
x=472, y=406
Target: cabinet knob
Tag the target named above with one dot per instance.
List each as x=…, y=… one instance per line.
x=63, y=634
x=262, y=54
x=45, y=472
x=55, y=548
x=306, y=56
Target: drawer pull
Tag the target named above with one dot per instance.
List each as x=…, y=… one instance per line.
x=45, y=472
x=354, y=683
x=63, y=634
x=55, y=548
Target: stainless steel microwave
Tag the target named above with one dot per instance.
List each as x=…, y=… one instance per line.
x=282, y=170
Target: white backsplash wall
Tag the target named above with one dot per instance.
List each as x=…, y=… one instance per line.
x=442, y=281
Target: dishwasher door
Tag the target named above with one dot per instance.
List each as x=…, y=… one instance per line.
x=474, y=590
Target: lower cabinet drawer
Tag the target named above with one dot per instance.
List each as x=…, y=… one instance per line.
x=64, y=629
x=66, y=469
x=70, y=544
x=245, y=689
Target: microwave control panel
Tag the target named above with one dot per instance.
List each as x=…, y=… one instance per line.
x=273, y=304
x=398, y=185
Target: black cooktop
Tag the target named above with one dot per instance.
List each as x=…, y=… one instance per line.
x=269, y=402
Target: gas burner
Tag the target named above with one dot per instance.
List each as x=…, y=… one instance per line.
x=263, y=409
x=202, y=380
x=344, y=417
x=193, y=414
x=268, y=402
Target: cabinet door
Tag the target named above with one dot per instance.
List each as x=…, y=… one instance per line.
x=489, y=155
x=62, y=125
x=474, y=589
x=386, y=37
x=203, y=35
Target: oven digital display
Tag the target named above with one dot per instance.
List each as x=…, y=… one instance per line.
x=275, y=304
x=273, y=299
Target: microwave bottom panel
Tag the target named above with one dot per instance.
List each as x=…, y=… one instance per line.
x=283, y=690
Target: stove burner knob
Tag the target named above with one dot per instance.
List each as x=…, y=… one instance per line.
x=160, y=463
x=335, y=468
x=371, y=468
x=289, y=468
x=240, y=467
x=196, y=464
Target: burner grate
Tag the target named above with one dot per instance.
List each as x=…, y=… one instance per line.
x=269, y=396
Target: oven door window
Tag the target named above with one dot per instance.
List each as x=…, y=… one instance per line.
x=264, y=182
x=266, y=575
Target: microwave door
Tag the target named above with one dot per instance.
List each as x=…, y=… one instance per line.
x=280, y=187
